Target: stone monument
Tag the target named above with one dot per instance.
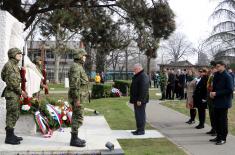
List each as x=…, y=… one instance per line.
x=11, y=31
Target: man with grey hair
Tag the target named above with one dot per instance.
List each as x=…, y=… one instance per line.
x=139, y=96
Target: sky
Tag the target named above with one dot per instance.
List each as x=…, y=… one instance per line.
x=192, y=19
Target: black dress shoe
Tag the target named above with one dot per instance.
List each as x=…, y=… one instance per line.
x=190, y=122
x=199, y=127
x=134, y=132
x=214, y=134
x=216, y=139
x=139, y=133
x=211, y=132
x=220, y=142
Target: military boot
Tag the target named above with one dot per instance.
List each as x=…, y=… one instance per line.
x=18, y=138
x=75, y=141
x=10, y=138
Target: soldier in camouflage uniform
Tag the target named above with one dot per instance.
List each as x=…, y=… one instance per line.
x=78, y=95
x=11, y=76
x=38, y=62
x=163, y=83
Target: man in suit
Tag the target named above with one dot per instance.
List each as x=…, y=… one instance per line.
x=221, y=94
x=170, y=85
x=139, y=96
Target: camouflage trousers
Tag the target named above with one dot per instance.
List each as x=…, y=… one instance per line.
x=77, y=117
x=13, y=111
x=163, y=91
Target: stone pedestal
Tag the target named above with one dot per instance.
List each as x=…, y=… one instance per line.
x=11, y=31
x=26, y=125
x=2, y=115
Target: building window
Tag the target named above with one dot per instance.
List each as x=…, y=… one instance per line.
x=50, y=54
x=32, y=54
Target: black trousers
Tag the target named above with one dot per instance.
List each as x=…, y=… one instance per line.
x=201, y=115
x=193, y=113
x=221, y=122
x=140, y=116
x=181, y=92
x=170, y=92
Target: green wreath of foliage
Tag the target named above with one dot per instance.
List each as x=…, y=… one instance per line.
x=40, y=105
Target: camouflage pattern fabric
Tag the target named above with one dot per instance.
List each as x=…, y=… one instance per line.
x=163, y=83
x=11, y=76
x=78, y=90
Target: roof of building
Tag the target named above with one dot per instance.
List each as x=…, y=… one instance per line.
x=179, y=63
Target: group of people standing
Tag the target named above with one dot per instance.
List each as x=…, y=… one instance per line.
x=210, y=88
x=206, y=88
x=172, y=84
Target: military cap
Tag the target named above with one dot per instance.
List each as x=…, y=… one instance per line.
x=78, y=54
x=37, y=59
x=13, y=51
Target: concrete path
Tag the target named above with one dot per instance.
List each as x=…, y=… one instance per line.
x=172, y=125
x=126, y=134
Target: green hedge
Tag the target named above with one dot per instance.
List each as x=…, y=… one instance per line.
x=232, y=66
x=101, y=90
x=122, y=85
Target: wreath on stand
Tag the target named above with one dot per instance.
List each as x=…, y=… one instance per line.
x=49, y=114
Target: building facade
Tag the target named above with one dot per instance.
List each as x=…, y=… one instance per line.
x=42, y=49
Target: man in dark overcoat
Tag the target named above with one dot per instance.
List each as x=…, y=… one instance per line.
x=139, y=96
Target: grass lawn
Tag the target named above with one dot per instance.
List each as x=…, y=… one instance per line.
x=150, y=147
x=60, y=86
x=120, y=117
x=56, y=87
x=180, y=106
x=115, y=110
x=152, y=94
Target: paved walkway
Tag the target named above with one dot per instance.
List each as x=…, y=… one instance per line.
x=171, y=124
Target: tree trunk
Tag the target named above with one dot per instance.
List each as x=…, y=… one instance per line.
x=57, y=67
x=88, y=63
x=100, y=61
x=114, y=76
x=126, y=57
x=148, y=65
x=114, y=69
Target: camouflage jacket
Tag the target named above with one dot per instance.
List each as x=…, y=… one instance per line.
x=39, y=68
x=163, y=79
x=11, y=76
x=78, y=81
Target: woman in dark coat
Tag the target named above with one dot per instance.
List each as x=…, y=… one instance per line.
x=200, y=96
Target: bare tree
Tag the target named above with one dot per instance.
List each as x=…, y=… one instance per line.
x=177, y=47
